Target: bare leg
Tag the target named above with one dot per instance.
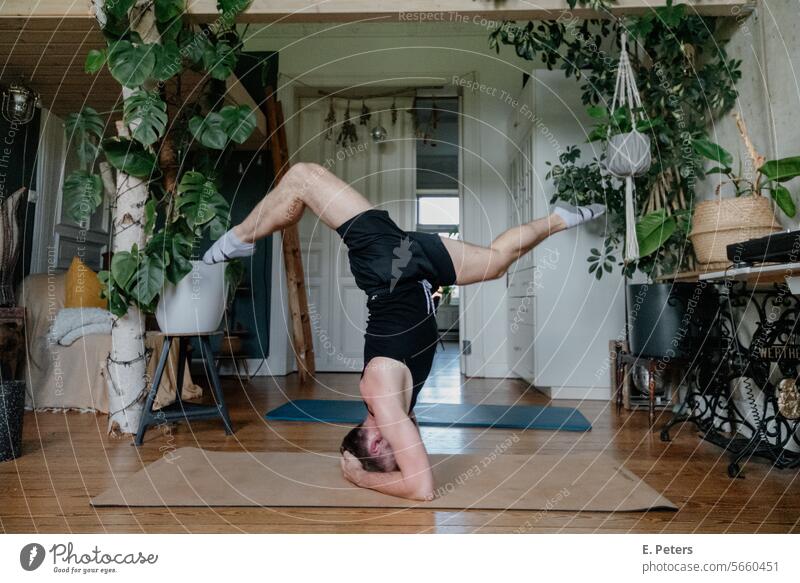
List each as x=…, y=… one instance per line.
x=304, y=185
x=474, y=263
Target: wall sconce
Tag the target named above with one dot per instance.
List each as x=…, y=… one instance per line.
x=19, y=103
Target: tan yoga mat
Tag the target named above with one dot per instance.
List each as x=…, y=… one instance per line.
x=196, y=477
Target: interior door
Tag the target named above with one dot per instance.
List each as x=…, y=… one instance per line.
x=384, y=173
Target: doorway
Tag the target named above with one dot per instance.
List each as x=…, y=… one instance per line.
x=405, y=159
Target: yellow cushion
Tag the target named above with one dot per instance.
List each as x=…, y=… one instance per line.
x=82, y=287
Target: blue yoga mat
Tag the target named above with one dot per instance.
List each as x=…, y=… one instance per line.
x=440, y=415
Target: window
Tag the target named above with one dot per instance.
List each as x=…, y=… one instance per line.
x=436, y=210
x=438, y=202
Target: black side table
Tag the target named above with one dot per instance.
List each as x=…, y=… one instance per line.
x=180, y=411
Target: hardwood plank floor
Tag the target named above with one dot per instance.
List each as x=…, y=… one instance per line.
x=68, y=459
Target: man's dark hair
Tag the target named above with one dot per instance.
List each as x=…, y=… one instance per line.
x=356, y=443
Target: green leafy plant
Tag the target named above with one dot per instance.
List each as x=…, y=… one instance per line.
x=232, y=122
x=184, y=204
x=685, y=80
x=84, y=130
x=146, y=114
x=769, y=178
x=583, y=184
x=619, y=122
x=653, y=231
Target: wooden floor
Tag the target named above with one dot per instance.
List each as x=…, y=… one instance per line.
x=68, y=459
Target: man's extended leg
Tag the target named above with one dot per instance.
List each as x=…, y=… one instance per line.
x=304, y=185
x=474, y=263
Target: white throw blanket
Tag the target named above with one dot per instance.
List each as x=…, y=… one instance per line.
x=73, y=323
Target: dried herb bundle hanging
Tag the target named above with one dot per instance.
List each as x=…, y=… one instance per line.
x=348, y=134
x=363, y=119
x=412, y=111
x=330, y=121
x=429, y=134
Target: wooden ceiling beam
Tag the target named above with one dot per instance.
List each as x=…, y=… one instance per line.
x=349, y=10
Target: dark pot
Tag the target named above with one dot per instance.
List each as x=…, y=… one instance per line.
x=12, y=408
x=669, y=319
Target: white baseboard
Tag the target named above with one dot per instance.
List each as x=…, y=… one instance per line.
x=577, y=393
x=492, y=371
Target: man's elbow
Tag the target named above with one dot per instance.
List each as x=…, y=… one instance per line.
x=423, y=492
x=424, y=495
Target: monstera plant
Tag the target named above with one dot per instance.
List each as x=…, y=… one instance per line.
x=176, y=215
x=174, y=130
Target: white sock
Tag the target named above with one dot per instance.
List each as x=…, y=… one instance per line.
x=577, y=215
x=228, y=247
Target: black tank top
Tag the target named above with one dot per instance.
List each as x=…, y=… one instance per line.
x=402, y=326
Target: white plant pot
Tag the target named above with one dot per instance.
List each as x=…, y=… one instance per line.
x=196, y=304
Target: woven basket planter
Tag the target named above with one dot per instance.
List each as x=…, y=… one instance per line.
x=724, y=221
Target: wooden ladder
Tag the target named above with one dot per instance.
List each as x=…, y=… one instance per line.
x=302, y=340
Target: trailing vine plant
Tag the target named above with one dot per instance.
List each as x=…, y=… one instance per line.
x=177, y=139
x=685, y=79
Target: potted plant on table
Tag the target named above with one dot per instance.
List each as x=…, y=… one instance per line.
x=720, y=222
x=160, y=173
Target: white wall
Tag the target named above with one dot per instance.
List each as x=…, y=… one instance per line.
x=576, y=313
x=413, y=54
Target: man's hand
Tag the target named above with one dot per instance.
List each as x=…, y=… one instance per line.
x=352, y=468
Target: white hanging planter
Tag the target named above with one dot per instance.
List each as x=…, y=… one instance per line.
x=628, y=154
x=196, y=304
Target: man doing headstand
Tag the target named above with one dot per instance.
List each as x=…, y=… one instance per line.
x=398, y=270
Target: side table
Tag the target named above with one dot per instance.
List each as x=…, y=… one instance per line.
x=179, y=410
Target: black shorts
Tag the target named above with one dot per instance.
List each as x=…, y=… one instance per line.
x=384, y=256
x=392, y=266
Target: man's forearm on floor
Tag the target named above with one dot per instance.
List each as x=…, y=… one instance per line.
x=394, y=484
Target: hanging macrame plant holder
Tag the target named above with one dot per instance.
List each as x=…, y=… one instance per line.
x=628, y=154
